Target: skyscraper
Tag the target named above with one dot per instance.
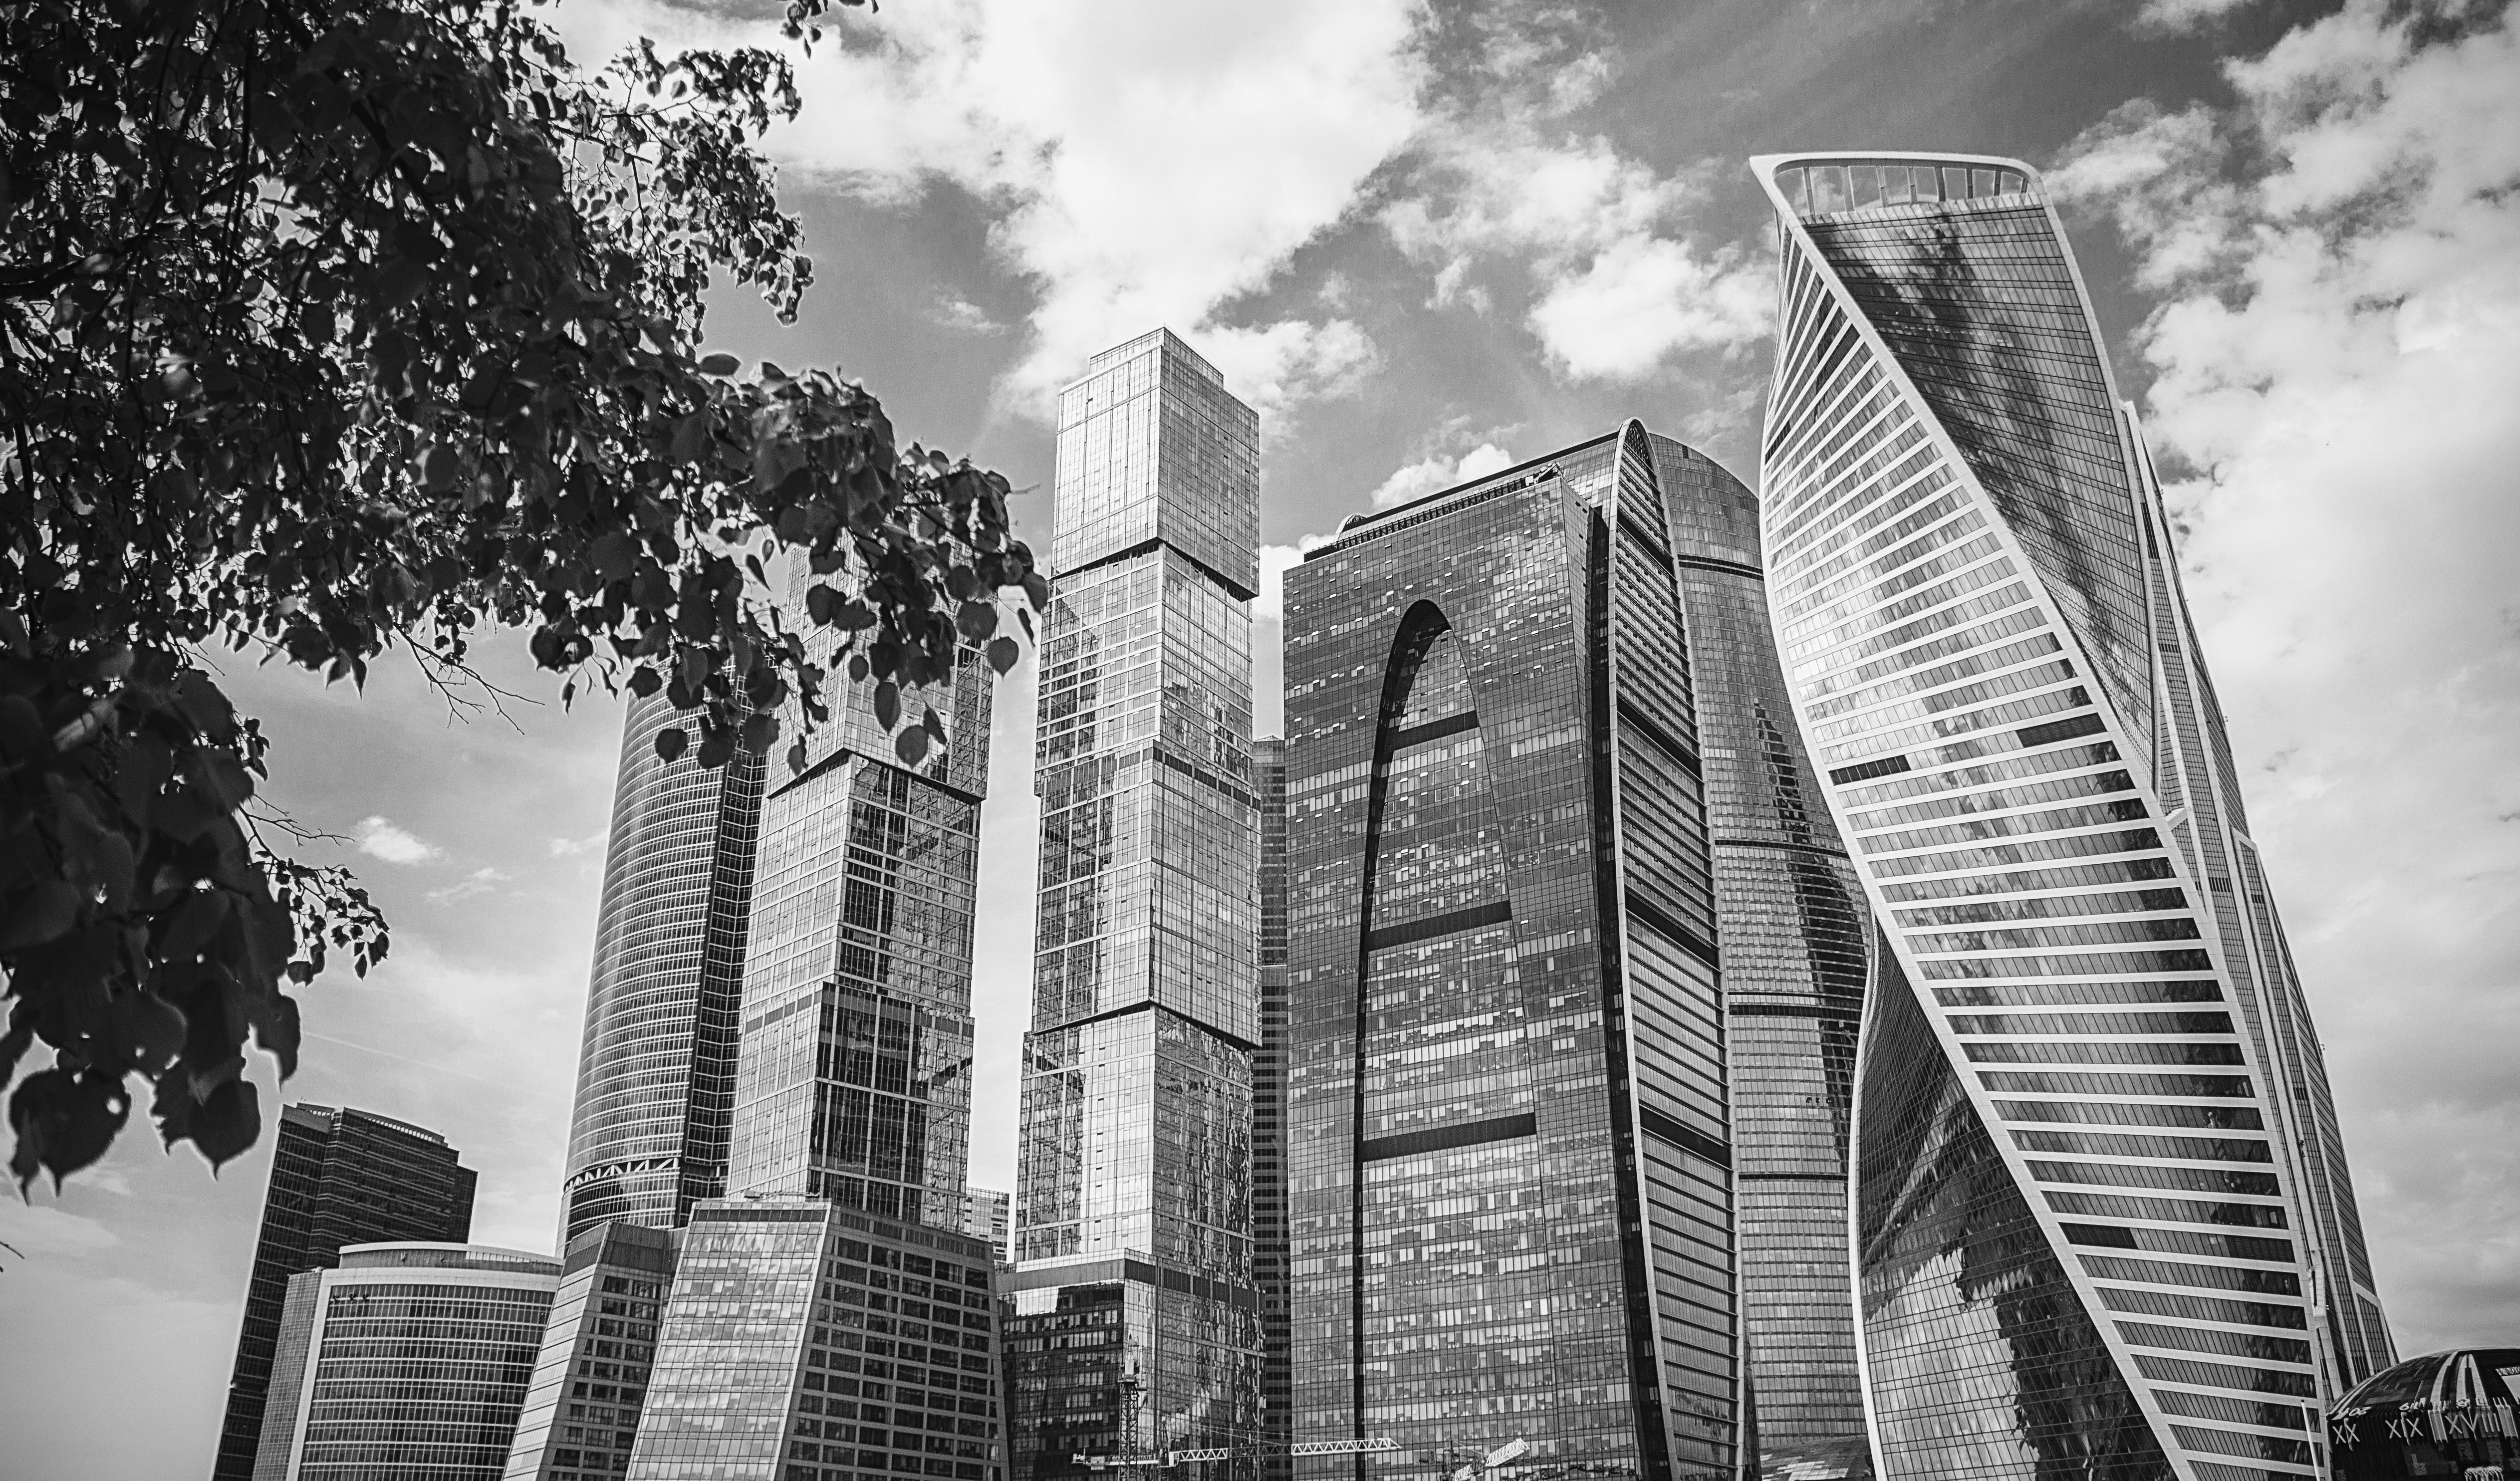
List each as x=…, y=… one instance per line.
x=339, y=1176
x=1509, y=1157
x=581, y=1410
x=853, y=1081
x=655, y=1074
x=1136, y=1314
x=1269, y=1110
x=804, y=1341
x=1793, y=931
x=2102, y=1217
x=408, y=1360
x=988, y=1214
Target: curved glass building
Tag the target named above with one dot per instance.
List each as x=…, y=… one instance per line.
x=410, y=1360
x=656, y=1073
x=1508, y=1157
x=2102, y=1221
x=1792, y=931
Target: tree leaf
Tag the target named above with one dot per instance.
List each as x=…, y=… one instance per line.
x=44, y=913
x=670, y=742
x=1004, y=653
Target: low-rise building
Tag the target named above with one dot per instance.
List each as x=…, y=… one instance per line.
x=409, y=1360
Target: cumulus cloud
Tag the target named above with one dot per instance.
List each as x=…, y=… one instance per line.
x=1500, y=175
x=963, y=316
x=1146, y=169
x=2334, y=362
x=383, y=839
x=1435, y=470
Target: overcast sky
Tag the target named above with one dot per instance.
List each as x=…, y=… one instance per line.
x=1425, y=245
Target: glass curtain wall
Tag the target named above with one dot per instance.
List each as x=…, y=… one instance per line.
x=2080, y=1231
x=1137, y=1319
x=1508, y=1161
x=1796, y=932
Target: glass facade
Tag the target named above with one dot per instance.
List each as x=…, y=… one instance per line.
x=339, y=1176
x=805, y=1342
x=407, y=1360
x=581, y=1409
x=1137, y=1108
x=1794, y=932
x=1509, y=1156
x=656, y=1076
x=1269, y=1110
x=2102, y=1223
x=988, y=1214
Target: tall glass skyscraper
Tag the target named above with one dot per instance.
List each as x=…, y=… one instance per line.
x=656, y=1073
x=1510, y=1159
x=1793, y=931
x=1269, y=1109
x=1135, y=1316
x=854, y=1077
x=339, y=1176
x=2103, y=1225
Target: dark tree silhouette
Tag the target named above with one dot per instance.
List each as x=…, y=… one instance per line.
x=328, y=329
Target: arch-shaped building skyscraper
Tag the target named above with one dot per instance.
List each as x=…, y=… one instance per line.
x=2102, y=1218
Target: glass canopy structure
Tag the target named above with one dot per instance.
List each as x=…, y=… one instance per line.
x=2102, y=1217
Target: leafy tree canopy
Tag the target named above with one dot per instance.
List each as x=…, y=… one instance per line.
x=331, y=327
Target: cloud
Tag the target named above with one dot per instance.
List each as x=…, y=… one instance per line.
x=570, y=848
x=1146, y=169
x=1438, y=471
x=477, y=882
x=2335, y=363
x=1617, y=283
x=1276, y=368
x=1643, y=298
x=963, y=316
x=2185, y=15
x=383, y=839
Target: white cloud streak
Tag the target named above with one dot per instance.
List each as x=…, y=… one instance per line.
x=383, y=839
x=2337, y=359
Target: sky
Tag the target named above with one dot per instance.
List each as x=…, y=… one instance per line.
x=1425, y=244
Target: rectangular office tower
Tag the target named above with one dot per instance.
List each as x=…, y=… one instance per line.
x=339, y=1176
x=581, y=1410
x=853, y=1081
x=2103, y=1223
x=808, y=1342
x=1509, y=1155
x=1137, y=1321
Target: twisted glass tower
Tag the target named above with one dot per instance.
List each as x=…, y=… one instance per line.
x=2103, y=1222
x=1137, y=1321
